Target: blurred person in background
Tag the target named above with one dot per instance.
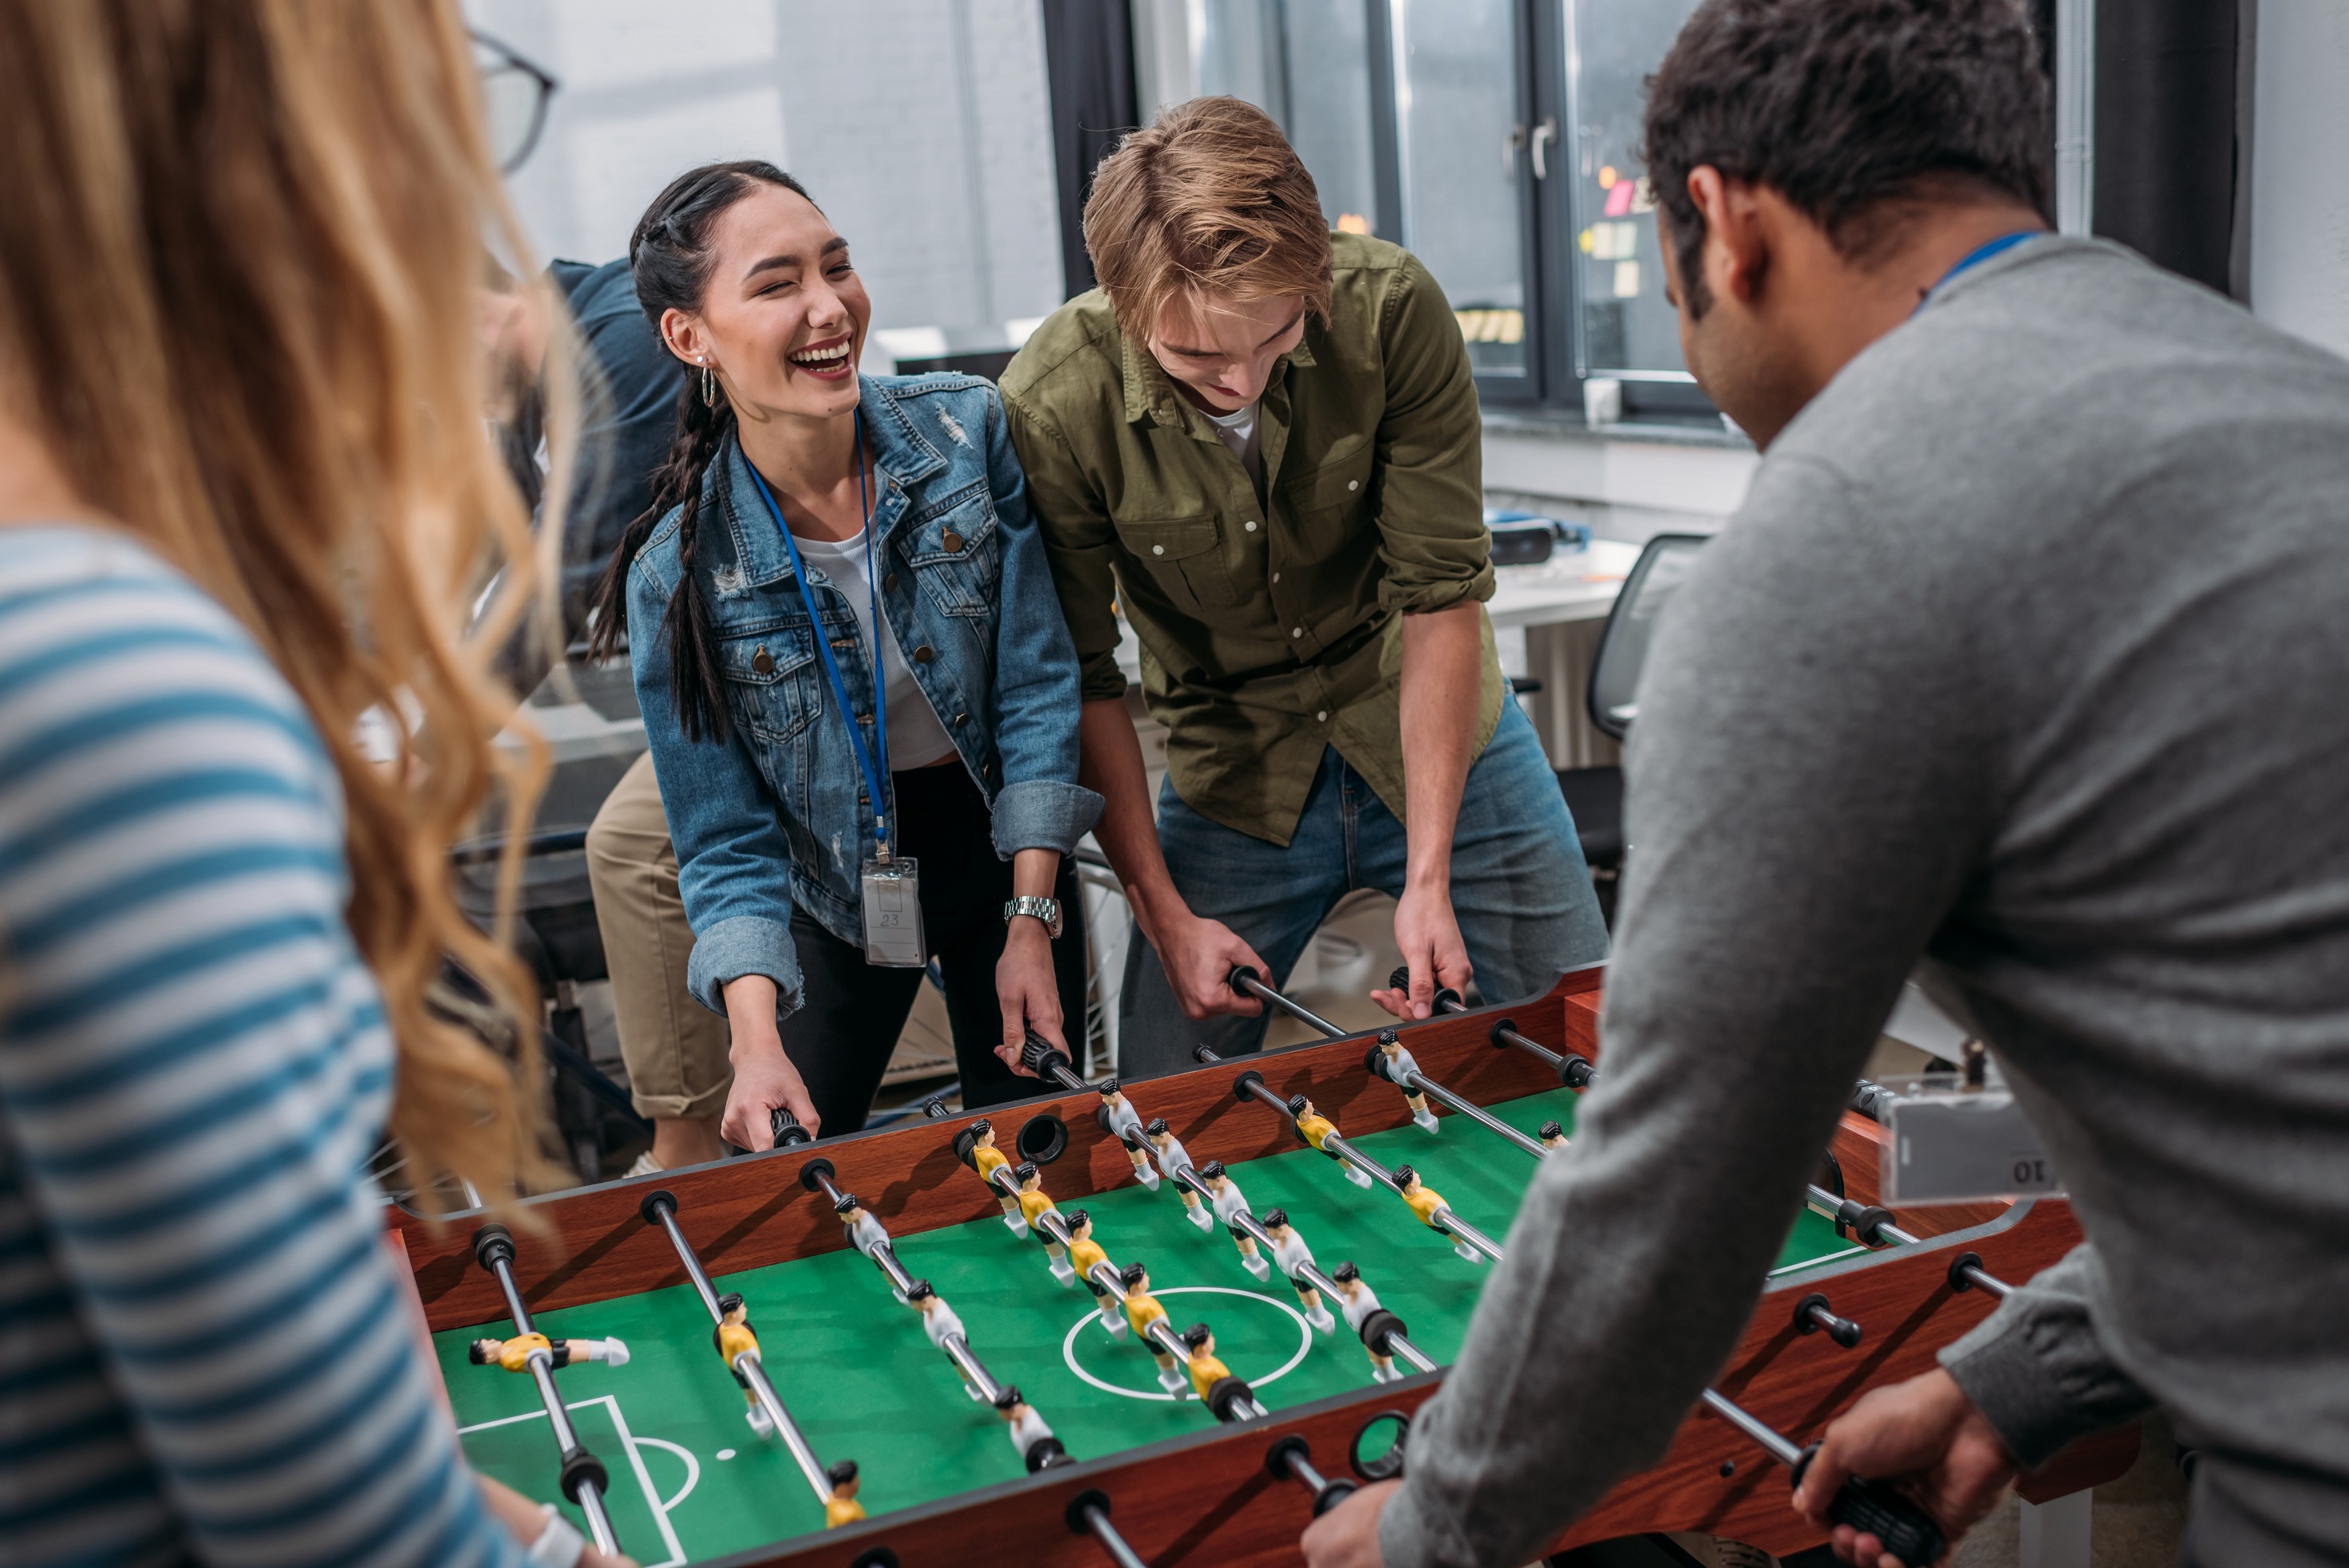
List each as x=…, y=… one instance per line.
x=245, y=499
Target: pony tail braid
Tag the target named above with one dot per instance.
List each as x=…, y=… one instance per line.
x=696, y=685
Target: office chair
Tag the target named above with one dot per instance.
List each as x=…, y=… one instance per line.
x=1595, y=796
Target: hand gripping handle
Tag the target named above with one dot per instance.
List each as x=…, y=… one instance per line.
x=1399, y=979
x=1905, y=1531
x=788, y=1131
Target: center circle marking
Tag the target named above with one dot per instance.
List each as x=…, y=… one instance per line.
x=1304, y=1344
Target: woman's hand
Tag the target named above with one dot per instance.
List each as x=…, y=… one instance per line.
x=764, y=1077
x=1027, y=990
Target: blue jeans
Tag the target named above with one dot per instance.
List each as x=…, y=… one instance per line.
x=1520, y=890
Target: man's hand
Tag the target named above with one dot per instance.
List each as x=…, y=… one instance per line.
x=1198, y=956
x=1026, y=990
x=1348, y=1535
x=1428, y=935
x=1923, y=1435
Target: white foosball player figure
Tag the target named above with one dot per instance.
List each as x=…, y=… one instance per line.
x=1029, y=1434
x=1124, y=1124
x=1174, y=1159
x=1357, y=1302
x=1402, y=1066
x=864, y=1232
x=1230, y=1204
x=1289, y=1254
x=938, y=1321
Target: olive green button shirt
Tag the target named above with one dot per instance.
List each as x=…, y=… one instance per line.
x=1269, y=626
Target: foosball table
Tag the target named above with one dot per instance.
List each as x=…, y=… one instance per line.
x=1163, y=1323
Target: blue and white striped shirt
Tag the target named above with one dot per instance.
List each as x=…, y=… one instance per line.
x=203, y=1352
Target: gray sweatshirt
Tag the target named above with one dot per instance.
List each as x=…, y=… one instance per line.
x=2027, y=657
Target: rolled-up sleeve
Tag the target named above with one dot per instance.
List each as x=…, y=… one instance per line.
x=1074, y=525
x=2037, y=1370
x=733, y=865
x=1040, y=804
x=1431, y=535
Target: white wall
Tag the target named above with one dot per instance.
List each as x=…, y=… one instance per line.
x=922, y=127
x=2300, y=199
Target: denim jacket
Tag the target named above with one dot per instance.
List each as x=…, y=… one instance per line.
x=772, y=815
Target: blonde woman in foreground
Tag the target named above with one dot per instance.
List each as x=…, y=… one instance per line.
x=245, y=490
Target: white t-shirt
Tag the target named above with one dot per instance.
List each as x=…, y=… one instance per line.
x=915, y=737
x=1240, y=431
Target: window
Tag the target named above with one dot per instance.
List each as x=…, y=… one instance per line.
x=1497, y=139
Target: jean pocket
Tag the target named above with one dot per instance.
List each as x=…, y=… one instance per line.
x=954, y=554
x=771, y=681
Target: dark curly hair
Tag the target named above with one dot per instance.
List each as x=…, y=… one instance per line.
x=1844, y=107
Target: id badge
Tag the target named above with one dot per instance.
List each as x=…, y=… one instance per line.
x=893, y=915
x=1949, y=1144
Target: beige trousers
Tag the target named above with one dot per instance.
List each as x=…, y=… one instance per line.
x=675, y=1048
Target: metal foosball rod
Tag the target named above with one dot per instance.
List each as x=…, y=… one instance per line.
x=1904, y=1529
x=1251, y=1086
x=659, y=1210
x=1387, y=1058
x=1871, y=1225
x=584, y=1478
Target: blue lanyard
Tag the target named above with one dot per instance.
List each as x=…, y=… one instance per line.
x=875, y=770
x=1975, y=257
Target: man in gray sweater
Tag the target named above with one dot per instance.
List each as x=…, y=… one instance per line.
x=2026, y=658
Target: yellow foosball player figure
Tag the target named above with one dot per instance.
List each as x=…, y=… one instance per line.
x=1313, y=1126
x=987, y=1160
x=1212, y=1381
x=735, y=1338
x=514, y=1355
x=1141, y=1310
x=1428, y=1204
x=1357, y=1302
x=1174, y=1159
x=1034, y=1204
x=842, y=1507
x=939, y=1322
x=1553, y=1136
x=1085, y=1255
x=1123, y=1122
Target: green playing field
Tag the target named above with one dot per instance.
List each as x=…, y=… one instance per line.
x=690, y=1481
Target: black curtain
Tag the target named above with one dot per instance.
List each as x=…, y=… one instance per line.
x=1089, y=67
x=2168, y=156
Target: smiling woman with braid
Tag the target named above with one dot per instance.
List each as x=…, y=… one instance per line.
x=849, y=656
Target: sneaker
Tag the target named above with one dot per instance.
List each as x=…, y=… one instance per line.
x=1426, y=1121
x=1198, y=1215
x=1468, y=1253
x=760, y=1422
x=1063, y=1272
x=1175, y=1383
x=1016, y=1225
x=1386, y=1374
x=1356, y=1177
x=972, y=1389
x=1254, y=1264
x=647, y=1164
x=1320, y=1319
x=1114, y=1321
x=1148, y=1178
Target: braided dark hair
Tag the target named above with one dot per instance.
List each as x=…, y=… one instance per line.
x=670, y=259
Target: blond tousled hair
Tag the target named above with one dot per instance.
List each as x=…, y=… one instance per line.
x=1208, y=199
x=239, y=246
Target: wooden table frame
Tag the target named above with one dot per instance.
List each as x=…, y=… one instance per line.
x=1205, y=1499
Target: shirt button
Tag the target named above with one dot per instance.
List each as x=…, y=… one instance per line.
x=1322, y=717
x=1250, y=526
x=1276, y=576
x=889, y=583
x=953, y=542
x=1157, y=549
x=959, y=718
x=1353, y=484
x=923, y=654
x=1296, y=631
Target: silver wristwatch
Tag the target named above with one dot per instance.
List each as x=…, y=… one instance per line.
x=1045, y=910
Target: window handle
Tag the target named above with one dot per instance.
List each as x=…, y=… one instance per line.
x=1509, y=145
x=1543, y=134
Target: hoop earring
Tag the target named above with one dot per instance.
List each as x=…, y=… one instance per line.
x=709, y=388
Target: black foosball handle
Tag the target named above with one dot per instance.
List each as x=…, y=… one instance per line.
x=1903, y=1528
x=788, y=1131
x=1446, y=999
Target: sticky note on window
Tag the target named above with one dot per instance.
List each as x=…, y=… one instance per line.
x=1619, y=198
x=1643, y=196
x=1627, y=240
x=1627, y=279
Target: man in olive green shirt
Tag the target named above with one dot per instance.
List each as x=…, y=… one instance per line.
x=1261, y=442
